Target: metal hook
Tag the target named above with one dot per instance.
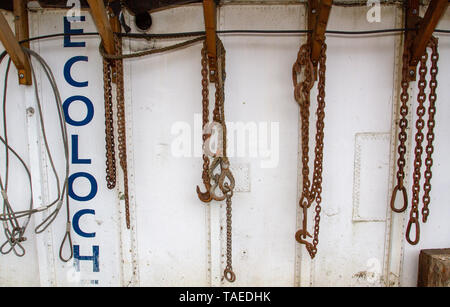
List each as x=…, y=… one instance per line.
x=226, y=173
x=204, y=196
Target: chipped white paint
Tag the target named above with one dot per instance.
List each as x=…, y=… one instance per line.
x=371, y=165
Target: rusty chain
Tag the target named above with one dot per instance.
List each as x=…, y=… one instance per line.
x=302, y=91
x=402, y=136
x=430, y=124
x=418, y=150
x=225, y=180
x=205, y=196
x=419, y=138
x=109, y=126
x=121, y=125
x=111, y=171
x=116, y=61
x=217, y=174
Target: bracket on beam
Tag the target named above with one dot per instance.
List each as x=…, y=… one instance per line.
x=318, y=14
x=416, y=41
x=11, y=43
x=116, y=28
x=209, y=13
x=100, y=16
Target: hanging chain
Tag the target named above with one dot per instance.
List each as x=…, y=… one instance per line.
x=206, y=196
x=402, y=136
x=419, y=138
x=430, y=124
x=420, y=123
x=226, y=187
x=109, y=126
x=121, y=126
x=302, y=91
x=214, y=178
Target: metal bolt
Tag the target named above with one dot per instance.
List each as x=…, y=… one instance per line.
x=313, y=11
x=21, y=76
x=30, y=111
x=411, y=72
x=414, y=11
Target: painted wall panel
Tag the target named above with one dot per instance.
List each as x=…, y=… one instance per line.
x=175, y=239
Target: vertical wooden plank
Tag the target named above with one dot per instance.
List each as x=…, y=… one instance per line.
x=432, y=16
x=21, y=21
x=209, y=13
x=100, y=17
x=320, y=25
x=19, y=58
x=116, y=28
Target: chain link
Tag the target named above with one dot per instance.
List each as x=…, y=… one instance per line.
x=121, y=126
x=302, y=91
x=402, y=136
x=418, y=150
x=419, y=138
x=225, y=186
x=430, y=124
x=224, y=179
x=205, y=196
x=109, y=126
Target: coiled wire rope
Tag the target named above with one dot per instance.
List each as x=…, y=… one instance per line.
x=14, y=230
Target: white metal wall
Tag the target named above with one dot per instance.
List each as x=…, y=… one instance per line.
x=177, y=240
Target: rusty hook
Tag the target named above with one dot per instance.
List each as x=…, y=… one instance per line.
x=204, y=196
x=224, y=174
x=215, y=177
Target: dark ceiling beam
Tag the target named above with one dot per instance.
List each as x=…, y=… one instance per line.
x=134, y=6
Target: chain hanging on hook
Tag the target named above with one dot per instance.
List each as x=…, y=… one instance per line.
x=419, y=138
x=108, y=65
x=302, y=91
x=217, y=174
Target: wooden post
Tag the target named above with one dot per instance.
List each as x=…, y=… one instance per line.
x=116, y=28
x=18, y=56
x=434, y=268
x=100, y=16
x=209, y=13
x=319, y=28
x=427, y=25
x=415, y=42
x=21, y=21
x=318, y=15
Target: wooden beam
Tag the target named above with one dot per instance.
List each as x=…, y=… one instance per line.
x=100, y=16
x=21, y=21
x=319, y=13
x=17, y=55
x=427, y=26
x=209, y=13
x=116, y=28
x=22, y=33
